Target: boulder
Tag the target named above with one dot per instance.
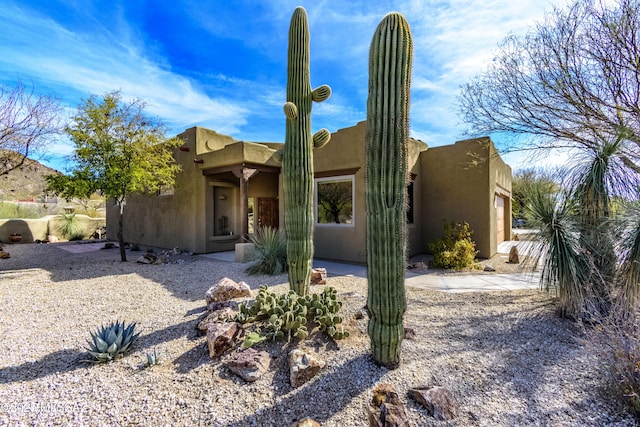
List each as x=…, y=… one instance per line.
x=318, y=276
x=514, y=257
x=386, y=409
x=438, y=401
x=303, y=366
x=409, y=332
x=149, y=258
x=489, y=268
x=226, y=289
x=249, y=364
x=222, y=336
x=420, y=266
x=308, y=422
x=215, y=306
x=217, y=316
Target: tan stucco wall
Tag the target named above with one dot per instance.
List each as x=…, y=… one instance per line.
x=459, y=185
x=345, y=151
x=188, y=218
x=456, y=182
x=177, y=220
x=41, y=228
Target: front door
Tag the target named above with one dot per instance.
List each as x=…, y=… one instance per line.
x=268, y=212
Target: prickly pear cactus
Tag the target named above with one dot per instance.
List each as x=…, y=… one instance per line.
x=387, y=135
x=297, y=156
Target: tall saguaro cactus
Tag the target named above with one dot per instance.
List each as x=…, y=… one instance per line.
x=297, y=156
x=387, y=136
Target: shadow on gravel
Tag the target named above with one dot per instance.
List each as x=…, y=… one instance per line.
x=354, y=376
x=61, y=361
x=188, y=279
x=526, y=352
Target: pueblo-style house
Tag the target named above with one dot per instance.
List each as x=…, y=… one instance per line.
x=228, y=188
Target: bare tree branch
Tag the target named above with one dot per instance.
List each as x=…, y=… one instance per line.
x=573, y=80
x=27, y=122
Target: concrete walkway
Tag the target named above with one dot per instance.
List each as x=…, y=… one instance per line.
x=447, y=282
x=439, y=281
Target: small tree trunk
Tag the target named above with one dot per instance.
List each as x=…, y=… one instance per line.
x=123, y=253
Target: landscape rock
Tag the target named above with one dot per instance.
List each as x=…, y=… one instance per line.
x=303, y=366
x=308, y=422
x=249, y=364
x=438, y=401
x=420, y=266
x=514, y=257
x=232, y=304
x=52, y=239
x=4, y=255
x=409, y=332
x=318, y=276
x=222, y=336
x=386, y=409
x=489, y=268
x=217, y=316
x=149, y=258
x=226, y=289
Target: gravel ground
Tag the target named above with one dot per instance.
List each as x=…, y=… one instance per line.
x=505, y=356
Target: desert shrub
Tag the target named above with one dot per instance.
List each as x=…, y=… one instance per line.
x=17, y=210
x=455, y=250
x=616, y=341
x=270, y=252
x=70, y=227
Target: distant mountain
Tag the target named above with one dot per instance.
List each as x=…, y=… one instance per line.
x=27, y=183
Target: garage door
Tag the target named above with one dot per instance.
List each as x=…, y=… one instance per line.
x=500, y=218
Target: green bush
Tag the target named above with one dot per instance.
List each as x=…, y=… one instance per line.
x=70, y=227
x=455, y=250
x=270, y=252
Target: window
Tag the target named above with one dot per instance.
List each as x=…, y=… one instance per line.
x=334, y=201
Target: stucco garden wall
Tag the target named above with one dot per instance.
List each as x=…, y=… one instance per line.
x=40, y=228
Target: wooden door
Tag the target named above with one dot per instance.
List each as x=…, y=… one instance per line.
x=500, y=218
x=268, y=212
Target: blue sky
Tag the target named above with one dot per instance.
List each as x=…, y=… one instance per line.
x=222, y=64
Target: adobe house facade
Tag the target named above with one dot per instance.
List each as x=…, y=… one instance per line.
x=227, y=188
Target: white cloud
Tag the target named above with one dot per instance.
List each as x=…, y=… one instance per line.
x=99, y=62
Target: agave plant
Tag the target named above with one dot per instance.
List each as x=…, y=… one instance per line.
x=112, y=341
x=153, y=358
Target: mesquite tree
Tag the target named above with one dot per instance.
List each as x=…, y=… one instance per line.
x=297, y=156
x=119, y=150
x=387, y=136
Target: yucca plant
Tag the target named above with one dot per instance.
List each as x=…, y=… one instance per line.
x=270, y=252
x=110, y=342
x=70, y=227
x=567, y=267
x=628, y=249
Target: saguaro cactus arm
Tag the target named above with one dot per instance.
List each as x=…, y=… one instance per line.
x=297, y=155
x=386, y=171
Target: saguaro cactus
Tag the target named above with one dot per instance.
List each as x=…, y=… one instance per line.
x=297, y=156
x=387, y=135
